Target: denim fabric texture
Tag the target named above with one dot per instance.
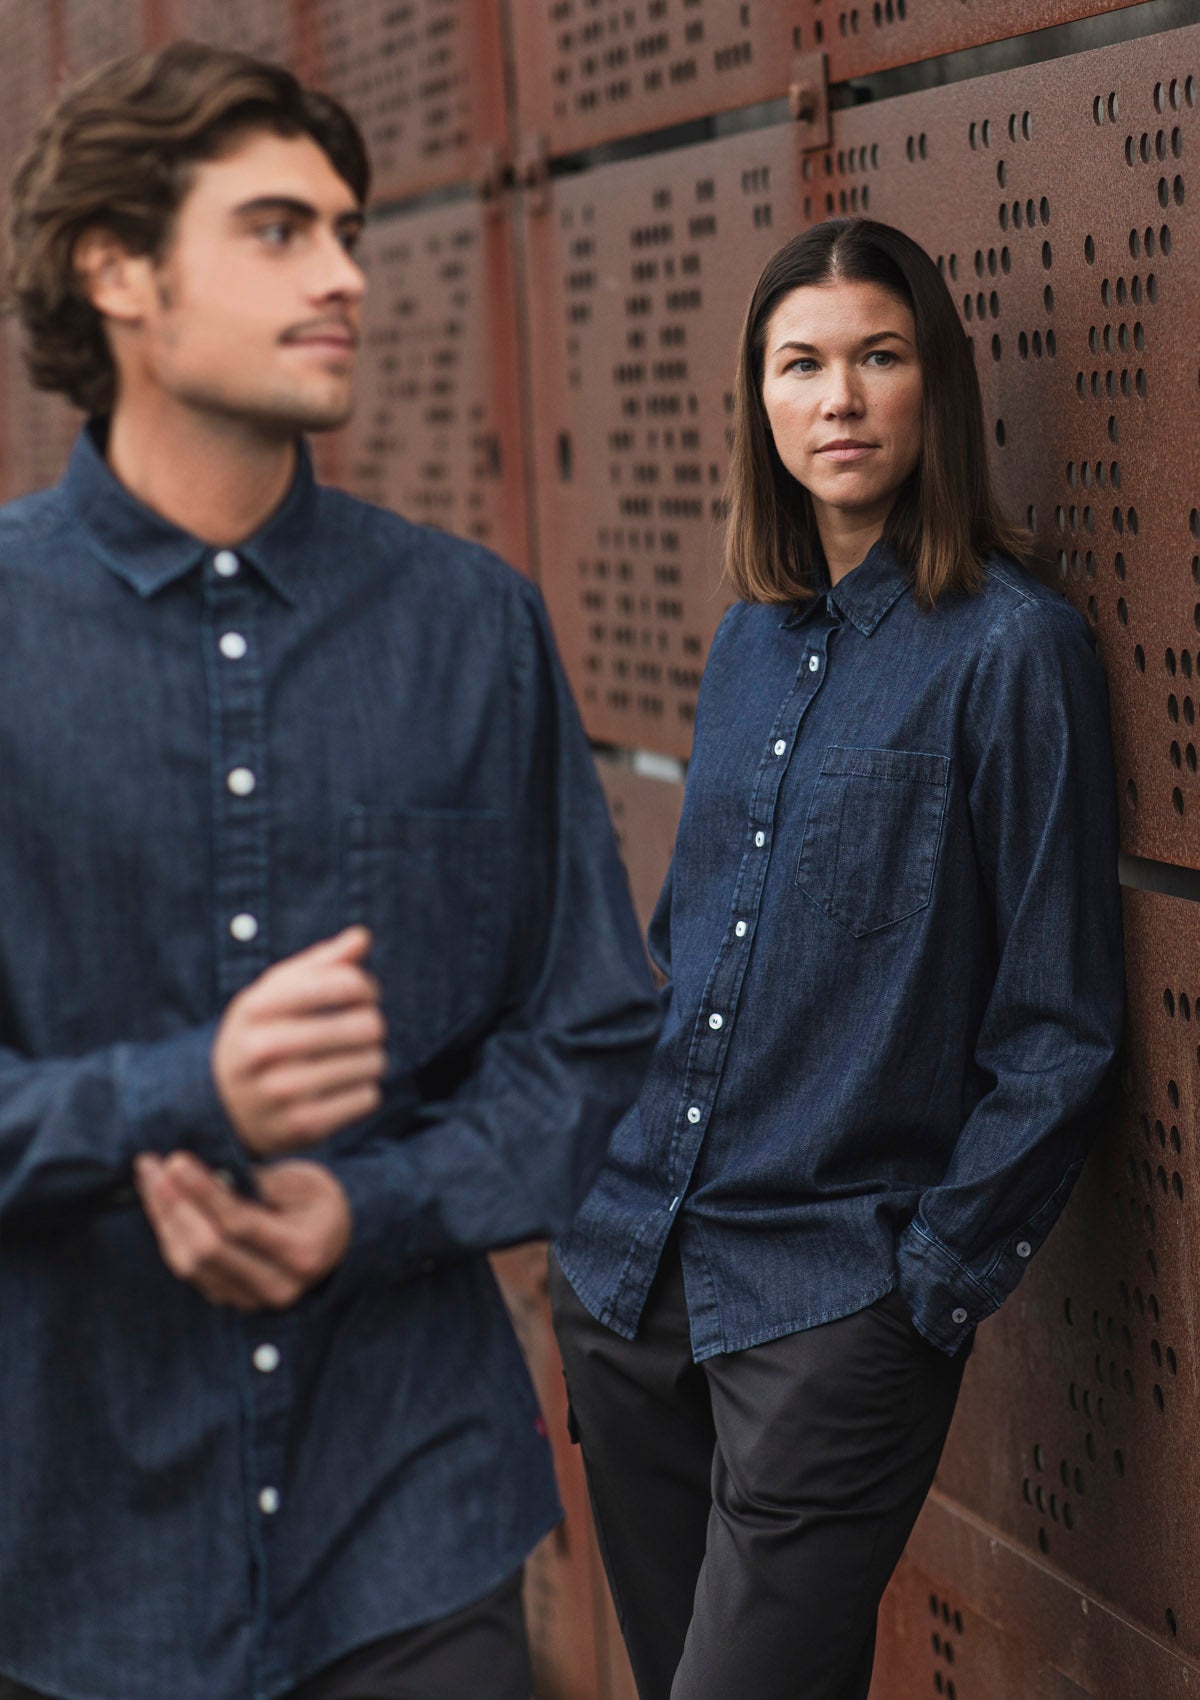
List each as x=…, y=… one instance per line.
x=892, y=936
x=197, y=1504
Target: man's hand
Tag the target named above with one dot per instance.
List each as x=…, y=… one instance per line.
x=248, y=1254
x=300, y=1053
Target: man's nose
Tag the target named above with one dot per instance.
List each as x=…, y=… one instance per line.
x=338, y=274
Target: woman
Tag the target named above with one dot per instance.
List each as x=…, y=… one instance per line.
x=892, y=939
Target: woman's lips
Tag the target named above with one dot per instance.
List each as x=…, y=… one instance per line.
x=847, y=451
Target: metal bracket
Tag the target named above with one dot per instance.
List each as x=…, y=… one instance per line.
x=533, y=172
x=489, y=177
x=808, y=99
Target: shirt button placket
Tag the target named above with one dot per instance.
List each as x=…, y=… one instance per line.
x=240, y=818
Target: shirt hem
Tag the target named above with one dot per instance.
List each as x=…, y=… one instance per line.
x=457, y=1602
x=777, y=1331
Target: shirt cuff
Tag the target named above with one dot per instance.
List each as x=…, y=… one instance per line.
x=172, y=1101
x=947, y=1301
x=379, y=1242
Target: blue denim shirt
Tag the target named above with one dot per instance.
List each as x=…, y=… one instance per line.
x=893, y=936
x=418, y=766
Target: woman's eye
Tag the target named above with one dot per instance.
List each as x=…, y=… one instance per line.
x=803, y=364
x=882, y=356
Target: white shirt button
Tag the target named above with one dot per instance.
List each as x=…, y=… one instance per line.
x=760, y=838
x=244, y=928
x=1024, y=1249
x=694, y=1115
x=780, y=746
x=268, y=1501
x=241, y=781
x=740, y=929
x=716, y=1021
x=232, y=646
x=959, y=1316
x=266, y=1359
x=814, y=661
x=226, y=563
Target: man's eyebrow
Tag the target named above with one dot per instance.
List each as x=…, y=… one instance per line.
x=867, y=342
x=352, y=218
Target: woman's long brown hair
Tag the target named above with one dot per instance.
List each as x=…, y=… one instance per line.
x=945, y=520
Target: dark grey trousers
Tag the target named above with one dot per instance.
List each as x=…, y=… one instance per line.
x=750, y=1509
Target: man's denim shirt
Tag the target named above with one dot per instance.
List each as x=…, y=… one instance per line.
x=417, y=765
x=893, y=935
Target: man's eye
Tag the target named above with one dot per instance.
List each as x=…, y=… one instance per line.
x=276, y=234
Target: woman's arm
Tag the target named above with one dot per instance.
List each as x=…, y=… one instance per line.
x=1043, y=810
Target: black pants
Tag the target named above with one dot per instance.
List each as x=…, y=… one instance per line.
x=479, y=1653
x=750, y=1509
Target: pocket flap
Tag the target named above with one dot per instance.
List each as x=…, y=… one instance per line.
x=920, y=766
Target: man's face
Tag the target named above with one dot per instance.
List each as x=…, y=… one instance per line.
x=255, y=307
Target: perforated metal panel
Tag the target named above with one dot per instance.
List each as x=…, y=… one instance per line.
x=38, y=429
x=424, y=80
x=589, y=71
x=436, y=431
x=1075, y=1436
x=870, y=35
x=968, y=1617
x=267, y=28
x=562, y=1576
x=638, y=278
x=932, y=1642
x=1061, y=202
x=645, y=817
x=96, y=30
x=27, y=67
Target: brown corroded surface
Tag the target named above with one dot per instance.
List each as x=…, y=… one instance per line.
x=436, y=431
x=589, y=71
x=425, y=80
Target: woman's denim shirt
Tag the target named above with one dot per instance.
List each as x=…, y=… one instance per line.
x=892, y=936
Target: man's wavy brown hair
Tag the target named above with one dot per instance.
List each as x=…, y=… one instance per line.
x=117, y=152
x=945, y=519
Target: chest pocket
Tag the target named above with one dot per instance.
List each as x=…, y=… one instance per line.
x=872, y=836
x=428, y=884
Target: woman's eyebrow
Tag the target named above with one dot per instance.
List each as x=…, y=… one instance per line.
x=867, y=341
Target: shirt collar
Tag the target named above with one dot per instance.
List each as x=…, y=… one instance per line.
x=148, y=552
x=865, y=594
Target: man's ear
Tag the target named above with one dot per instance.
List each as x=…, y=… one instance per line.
x=119, y=285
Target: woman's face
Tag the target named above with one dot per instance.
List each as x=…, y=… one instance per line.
x=842, y=390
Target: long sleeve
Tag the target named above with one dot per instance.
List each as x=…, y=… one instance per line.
x=1042, y=805
x=70, y=1127
x=509, y=1152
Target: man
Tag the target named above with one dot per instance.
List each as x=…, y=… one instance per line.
x=317, y=972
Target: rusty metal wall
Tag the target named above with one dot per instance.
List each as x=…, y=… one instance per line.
x=645, y=817
x=547, y=356
x=437, y=431
x=590, y=71
x=425, y=80
x=640, y=273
